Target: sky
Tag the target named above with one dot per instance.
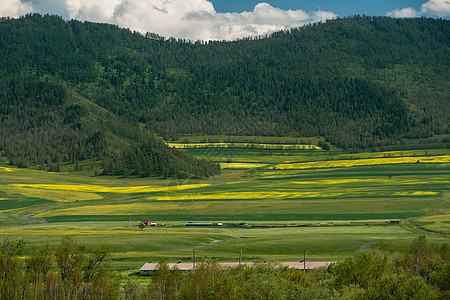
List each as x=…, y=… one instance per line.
x=220, y=19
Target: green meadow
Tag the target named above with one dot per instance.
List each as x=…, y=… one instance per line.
x=330, y=203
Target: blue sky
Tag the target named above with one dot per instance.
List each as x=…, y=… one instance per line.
x=340, y=7
x=220, y=19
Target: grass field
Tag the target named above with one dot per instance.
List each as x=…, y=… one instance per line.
x=131, y=247
x=330, y=202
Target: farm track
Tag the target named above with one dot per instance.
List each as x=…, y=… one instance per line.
x=365, y=247
x=423, y=229
x=220, y=242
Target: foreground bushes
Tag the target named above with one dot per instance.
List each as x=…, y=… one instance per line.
x=81, y=274
x=423, y=272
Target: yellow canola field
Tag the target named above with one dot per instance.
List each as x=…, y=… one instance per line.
x=109, y=189
x=416, y=193
x=345, y=163
x=246, y=195
x=372, y=180
x=243, y=145
x=343, y=181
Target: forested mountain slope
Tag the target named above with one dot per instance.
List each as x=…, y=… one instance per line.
x=45, y=124
x=360, y=82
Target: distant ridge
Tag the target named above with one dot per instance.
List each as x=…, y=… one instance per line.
x=73, y=92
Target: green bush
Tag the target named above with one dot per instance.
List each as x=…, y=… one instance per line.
x=422, y=272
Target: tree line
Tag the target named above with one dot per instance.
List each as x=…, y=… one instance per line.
x=420, y=272
x=46, y=126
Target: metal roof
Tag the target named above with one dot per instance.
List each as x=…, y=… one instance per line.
x=148, y=267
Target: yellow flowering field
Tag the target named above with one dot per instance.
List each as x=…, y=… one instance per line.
x=342, y=181
x=109, y=189
x=247, y=195
x=241, y=165
x=416, y=193
x=345, y=163
x=6, y=169
x=243, y=145
x=371, y=180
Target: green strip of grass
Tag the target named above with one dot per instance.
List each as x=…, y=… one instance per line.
x=21, y=203
x=239, y=217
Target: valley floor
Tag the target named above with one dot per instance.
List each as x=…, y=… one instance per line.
x=273, y=204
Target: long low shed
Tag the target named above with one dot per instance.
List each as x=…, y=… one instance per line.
x=152, y=267
x=199, y=224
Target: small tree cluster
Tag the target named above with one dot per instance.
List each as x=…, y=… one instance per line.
x=420, y=273
x=80, y=274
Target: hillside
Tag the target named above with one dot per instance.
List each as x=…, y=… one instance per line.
x=46, y=125
x=76, y=91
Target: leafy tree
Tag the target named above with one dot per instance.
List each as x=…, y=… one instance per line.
x=10, y=273
x=165, y=284
x=84, y=275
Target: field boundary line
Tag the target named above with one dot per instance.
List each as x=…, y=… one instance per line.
x=423, y=229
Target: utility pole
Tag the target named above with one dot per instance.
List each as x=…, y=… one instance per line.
x=304, y=259
x=194, y=258
x=240, y=257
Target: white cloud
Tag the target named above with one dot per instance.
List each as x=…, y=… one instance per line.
x=440, y=8
x=14, y=8
x=189, y=19
x=407, y=12
x=434, y=8
x=97, y=11
x=197, y=19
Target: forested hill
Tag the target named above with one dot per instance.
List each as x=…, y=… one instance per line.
x=45, y=124
x=360, y=82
